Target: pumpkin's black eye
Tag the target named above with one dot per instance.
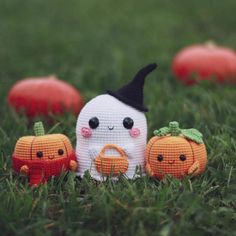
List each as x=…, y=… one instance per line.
x=39, y=154
x=128, y=123
x=182, y=157
x=60, y=152
x=93, y=122
x=160, y=157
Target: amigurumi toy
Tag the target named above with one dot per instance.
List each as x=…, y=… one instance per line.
x=177, y=152
x=112, y=131
x=43, y=156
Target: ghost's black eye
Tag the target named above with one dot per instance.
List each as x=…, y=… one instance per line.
x=60, y=152
x=128, y=123
x=160, y=157
x=39, y=154
x=93, y=122
x=182, y=157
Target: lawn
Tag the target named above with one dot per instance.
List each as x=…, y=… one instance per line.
x=96, y=45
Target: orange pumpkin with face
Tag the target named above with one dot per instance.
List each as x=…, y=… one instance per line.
x=43, y=156
x=175, y=153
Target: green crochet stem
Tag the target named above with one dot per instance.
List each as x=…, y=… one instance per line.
x=39, y=129
x=174, y=130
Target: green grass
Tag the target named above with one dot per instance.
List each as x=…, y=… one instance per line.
x=96, y=45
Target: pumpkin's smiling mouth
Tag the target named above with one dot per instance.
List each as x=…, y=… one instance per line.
x=51, y=157
x=171, y=162
x=110, y=127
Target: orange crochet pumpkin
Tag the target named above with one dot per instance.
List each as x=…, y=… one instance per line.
x=111, y=165
x=177, y=152
x=43, y=156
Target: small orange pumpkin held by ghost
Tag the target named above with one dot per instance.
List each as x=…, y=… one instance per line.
x=177, y=152
x=43, y=156
x=111, y=165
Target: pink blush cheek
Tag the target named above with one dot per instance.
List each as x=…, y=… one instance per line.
x=134, y=132
x=86, y=132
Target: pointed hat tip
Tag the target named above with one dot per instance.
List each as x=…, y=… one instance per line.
x=149, y=68
x=132, y=93
x=152, y=66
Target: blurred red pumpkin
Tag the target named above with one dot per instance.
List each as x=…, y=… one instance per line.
x=44, y=96
x=205, y=62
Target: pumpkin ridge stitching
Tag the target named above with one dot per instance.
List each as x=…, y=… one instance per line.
x=31, y=148
x=148, y=160
x=194, y=159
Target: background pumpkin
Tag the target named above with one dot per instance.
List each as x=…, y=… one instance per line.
x=174, y=153
x=43, y=156
x=205, y=62
x=42, y=96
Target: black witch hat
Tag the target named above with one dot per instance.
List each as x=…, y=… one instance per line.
x=132, y=93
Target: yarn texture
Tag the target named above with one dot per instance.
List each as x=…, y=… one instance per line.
x=41, y=171
x=132, y=93
x=110, y=113
x=111, y=165
x=175, y=152
x=42, y=156
x=112, y=131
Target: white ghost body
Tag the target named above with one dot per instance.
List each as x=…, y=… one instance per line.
x=110, y=113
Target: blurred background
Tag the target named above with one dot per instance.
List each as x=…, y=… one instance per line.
x=96, y=45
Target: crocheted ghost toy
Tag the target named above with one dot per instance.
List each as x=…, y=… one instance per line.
x=112, y=131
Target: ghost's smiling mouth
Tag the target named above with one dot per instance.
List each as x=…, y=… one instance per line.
x=110, y=127
x=171, y=162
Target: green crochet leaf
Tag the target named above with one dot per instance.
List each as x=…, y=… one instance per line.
x=162, y=131
x=174, y=130
x=193, y=135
